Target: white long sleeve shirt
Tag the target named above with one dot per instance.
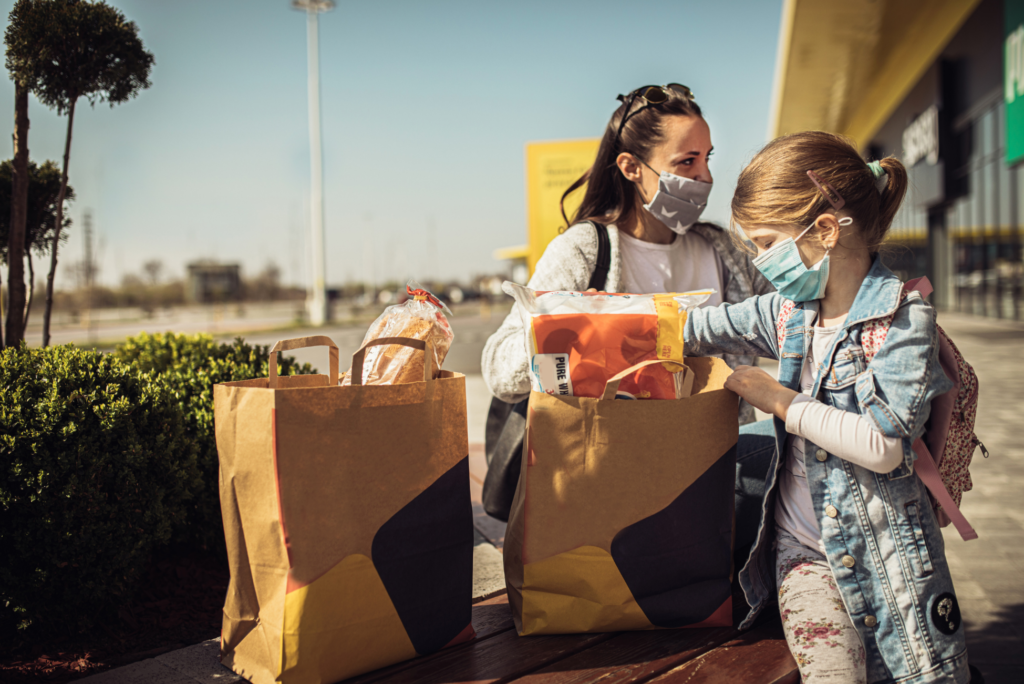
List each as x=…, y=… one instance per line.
x=847, y=435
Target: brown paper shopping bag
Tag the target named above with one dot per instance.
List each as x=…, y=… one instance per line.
x=347, y=518
x=623, y=516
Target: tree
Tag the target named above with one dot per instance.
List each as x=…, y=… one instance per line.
x=266, y=287
x=21, y=50
x=153, y=268
x=39, y=215
x=81, y=49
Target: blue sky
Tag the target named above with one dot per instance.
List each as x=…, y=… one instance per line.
x=426, y=108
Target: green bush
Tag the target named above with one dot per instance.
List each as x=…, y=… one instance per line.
x=96, y=470
x=189, y=366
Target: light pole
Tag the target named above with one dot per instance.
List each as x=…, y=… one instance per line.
x=316, y=301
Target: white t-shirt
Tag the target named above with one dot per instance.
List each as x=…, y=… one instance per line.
x=688, y=263
x=794, y=512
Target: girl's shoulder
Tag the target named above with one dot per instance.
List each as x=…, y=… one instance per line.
x=912, y=317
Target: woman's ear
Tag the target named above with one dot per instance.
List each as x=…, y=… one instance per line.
x=629, y=166
x=828, y=231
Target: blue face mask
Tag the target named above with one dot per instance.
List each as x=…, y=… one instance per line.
x=784, y=269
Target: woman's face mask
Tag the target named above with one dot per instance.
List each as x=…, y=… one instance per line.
x=678, y=202
x=785, y=269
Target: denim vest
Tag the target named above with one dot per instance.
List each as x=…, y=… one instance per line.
x=884, y=545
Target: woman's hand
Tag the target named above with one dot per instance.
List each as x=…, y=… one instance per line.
x=761, y=390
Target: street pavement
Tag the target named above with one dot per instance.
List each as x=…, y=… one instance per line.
x=105, y=327
x=988, y=573
x=471, y=333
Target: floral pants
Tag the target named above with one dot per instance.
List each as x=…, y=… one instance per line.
x=818, y=629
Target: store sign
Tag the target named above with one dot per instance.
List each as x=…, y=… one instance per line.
x=921, y=138
x=1013, y=79
x=551, y=167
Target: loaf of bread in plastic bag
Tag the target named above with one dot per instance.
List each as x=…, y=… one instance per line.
x=421, y=317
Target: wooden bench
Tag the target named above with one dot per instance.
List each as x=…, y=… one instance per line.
x=498, y=655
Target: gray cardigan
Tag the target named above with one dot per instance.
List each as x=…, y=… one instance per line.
x=567, y=264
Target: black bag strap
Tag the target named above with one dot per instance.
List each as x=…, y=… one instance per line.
x=506, y=423
x=599, y=278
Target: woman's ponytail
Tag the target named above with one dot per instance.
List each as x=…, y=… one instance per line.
x=579, y=182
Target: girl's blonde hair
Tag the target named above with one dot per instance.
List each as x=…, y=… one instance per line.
x=775, y=188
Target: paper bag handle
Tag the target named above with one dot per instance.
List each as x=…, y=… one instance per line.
x=302, y=343
x=424, y=346
x=612, y=386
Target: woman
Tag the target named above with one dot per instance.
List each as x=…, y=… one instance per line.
x=648, y=185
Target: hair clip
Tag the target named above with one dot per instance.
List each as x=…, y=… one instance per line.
x=833, y=197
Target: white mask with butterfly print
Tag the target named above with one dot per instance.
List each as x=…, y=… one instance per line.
x=679, y=201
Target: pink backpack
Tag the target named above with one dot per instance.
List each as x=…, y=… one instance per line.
x=950, y=430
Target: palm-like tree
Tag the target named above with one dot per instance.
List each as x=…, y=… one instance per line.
x=67, y=50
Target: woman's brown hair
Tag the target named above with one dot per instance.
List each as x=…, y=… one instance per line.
x=610, y=197
x=775, y=188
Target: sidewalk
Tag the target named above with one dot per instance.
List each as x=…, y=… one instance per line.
x=988, y=573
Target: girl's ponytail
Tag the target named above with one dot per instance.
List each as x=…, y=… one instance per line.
x=892, y=196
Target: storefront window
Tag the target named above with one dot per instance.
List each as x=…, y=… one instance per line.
x=1005, y=191
x=985, y=223
x=971, y=247
x=986, y=131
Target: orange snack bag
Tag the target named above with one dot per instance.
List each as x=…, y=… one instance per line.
x=578, y=341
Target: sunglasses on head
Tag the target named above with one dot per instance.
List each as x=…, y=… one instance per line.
x=651, y=95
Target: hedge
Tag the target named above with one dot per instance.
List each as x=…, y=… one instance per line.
x=96, y=471
x=104, y=458
x=189, y=366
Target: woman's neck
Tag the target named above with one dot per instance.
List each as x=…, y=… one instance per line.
x=847, y=271
x=643, y=226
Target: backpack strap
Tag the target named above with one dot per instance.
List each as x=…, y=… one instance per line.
x=599, y=278
x=929, y=474
x=872, y=338
x=922, y=285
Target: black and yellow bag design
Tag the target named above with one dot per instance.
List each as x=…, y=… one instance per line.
x=624, y=511
x=348, y=522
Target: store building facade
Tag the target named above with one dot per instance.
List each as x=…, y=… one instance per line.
x=951, y=116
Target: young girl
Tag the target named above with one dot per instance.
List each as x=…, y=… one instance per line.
x=847, y=537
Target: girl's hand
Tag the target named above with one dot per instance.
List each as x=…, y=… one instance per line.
x=761, y=390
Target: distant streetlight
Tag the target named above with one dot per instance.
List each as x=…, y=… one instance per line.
x=316, y=301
